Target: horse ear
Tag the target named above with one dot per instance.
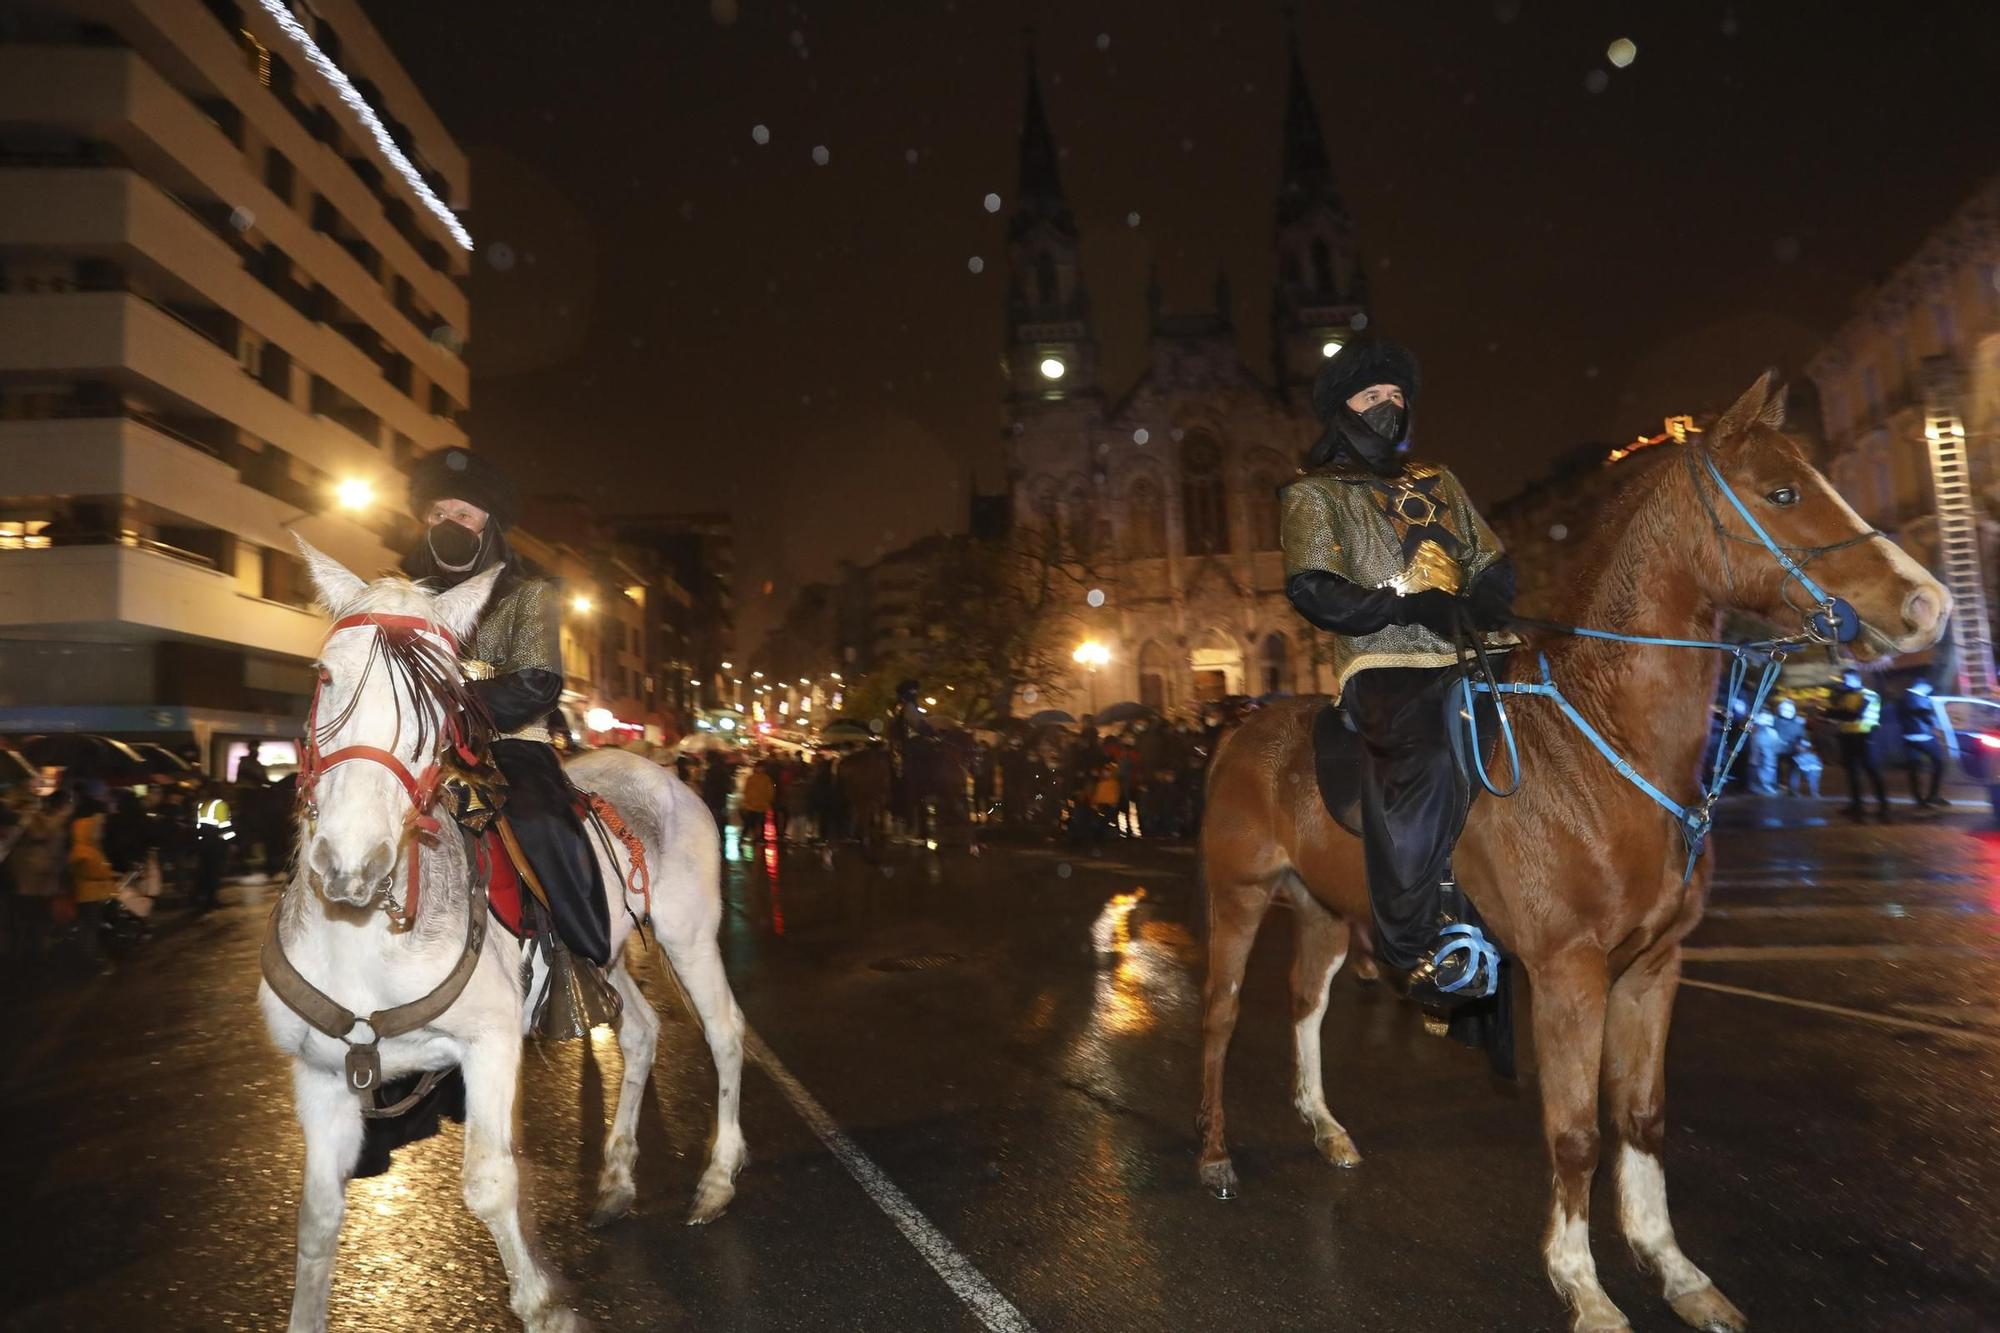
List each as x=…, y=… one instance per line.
x=337, y=585
x=457, y=609
x=1773, y=414
x=1749, y=409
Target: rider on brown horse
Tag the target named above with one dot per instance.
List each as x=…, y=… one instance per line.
x=1389, y=556
x=514, y=663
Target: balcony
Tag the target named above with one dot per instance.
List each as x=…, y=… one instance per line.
x=143, y=591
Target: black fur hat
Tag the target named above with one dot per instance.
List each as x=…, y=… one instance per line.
x=460, y=474
x=1362, y=362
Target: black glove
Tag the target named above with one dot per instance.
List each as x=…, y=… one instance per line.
x=1434, y=609
x=1491, y=604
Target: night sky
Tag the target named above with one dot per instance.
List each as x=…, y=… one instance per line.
x=667, y=314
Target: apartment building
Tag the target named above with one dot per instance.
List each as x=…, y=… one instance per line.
x=232, y=309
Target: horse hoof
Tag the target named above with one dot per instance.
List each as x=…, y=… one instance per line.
x=1339, y=1150
x=1220, y=1178
x=611, y=1206
x=1367, y=971
x=712, y=1199
x=1709, y=1310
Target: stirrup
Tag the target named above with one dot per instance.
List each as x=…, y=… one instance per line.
x=1477, y=965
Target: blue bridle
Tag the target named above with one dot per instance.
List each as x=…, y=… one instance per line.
x=1831, y=621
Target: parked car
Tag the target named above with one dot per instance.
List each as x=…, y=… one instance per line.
x=1977, y=724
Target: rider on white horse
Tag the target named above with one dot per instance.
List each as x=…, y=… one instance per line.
x=514, y=664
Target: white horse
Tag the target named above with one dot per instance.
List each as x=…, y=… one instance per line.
x=354, y=858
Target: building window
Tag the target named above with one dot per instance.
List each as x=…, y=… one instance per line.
x=1263, y=510
x=1154, y=664
x=278, y=175
x=1045, y=279
x=1276, y=664
x=1145, y=521
x=1204, y=500
x=1947, y=327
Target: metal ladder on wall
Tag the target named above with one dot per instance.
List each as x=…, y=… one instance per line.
x=1958, y=547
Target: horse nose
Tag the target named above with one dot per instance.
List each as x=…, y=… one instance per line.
x=329, y=875
x=1923, y=609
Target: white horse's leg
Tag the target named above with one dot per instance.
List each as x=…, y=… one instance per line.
x=1318, y=951
x=698, y=964
x=492, y=1181
x=330, y=1117
x=638, y=1034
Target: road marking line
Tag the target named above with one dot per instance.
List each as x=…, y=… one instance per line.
x=980, y=1296
x=1842, y=1011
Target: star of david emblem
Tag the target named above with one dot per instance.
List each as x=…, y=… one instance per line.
x=1416, y=512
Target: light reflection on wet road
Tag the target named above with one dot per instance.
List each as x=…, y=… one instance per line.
x=1015, y=1048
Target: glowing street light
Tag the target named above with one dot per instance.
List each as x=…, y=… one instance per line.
x=354, y=494
x=580, y=604
x=1330, y=347
x=1052, y=368
x=599, y=719
x=1091, y=653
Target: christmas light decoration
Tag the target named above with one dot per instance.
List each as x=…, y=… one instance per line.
x=282, y=16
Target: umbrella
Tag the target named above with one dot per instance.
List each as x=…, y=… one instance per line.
x=846, y=729
x=1051, y=717
x=1128, y=711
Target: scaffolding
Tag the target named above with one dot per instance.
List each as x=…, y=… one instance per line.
x=1959, y=558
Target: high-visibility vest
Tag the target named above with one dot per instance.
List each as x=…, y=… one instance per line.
x=214, y=814
x=1866, y=705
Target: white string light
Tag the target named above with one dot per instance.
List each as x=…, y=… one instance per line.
x=292, y=28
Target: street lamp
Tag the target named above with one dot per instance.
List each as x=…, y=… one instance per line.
x=580, y=604
x=354, y=494
x=1092, y=654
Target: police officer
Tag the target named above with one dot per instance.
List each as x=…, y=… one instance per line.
x=1855, y=711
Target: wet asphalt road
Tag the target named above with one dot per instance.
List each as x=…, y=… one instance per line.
x=1833, y=1150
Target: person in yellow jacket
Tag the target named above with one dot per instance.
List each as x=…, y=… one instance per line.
x=755, y=803
x=92, y=881
x=1855, y=711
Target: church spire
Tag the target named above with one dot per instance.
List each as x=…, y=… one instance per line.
x=1040, y=181
x=1321, y=294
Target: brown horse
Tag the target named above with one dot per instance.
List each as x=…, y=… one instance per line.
x=1580, y=876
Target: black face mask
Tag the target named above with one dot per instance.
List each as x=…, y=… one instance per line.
x=454, y=545
x=1373, y=447
x=1388, y=420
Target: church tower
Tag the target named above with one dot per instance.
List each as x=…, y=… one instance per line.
x=1320, y=289
x=1051, y=346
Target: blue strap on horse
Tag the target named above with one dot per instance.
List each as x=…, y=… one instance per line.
x=1482, y=960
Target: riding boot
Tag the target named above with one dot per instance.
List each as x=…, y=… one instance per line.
x=1464, y=965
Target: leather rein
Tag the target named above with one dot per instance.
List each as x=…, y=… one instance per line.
x=325, y=1015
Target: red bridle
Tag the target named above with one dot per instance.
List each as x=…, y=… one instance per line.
x=422, y=788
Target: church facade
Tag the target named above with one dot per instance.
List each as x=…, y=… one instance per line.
x=1165, y=497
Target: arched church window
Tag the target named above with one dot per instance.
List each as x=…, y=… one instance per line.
x=1274, y=663
x=1154, y=666
x=1204, y=500
x=1145, y=521
x=1046, y=284
x=1263, y=510
x=1322, y=267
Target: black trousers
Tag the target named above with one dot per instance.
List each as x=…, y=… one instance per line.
x=1413, y=802
x=1924, y=756
x=544, y=818
x=1859, y=757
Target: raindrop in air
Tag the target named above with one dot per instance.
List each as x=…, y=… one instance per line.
x=1590, y=372
x=1359, y=322
x=1104, y=41
x=760, y=134
x=1596, y=81
x=1131, y=219
x=976, y=264
x=798, y=38
x=1141, y=435
x=1786, y=249
x=992, y=202
x=1622, y=52
x=910, y=156
x=820, y=155
x=1558, y=531
x=1063, y=871
x=242, y=218
x=1094, y=597
x=1030, y=695
x=500, y=255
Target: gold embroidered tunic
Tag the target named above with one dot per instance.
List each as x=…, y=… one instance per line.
x=1411, y=532
x=520, y=631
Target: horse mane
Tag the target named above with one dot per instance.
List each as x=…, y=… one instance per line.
x=1612, y=580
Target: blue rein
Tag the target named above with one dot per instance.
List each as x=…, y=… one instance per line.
x=1832, y=621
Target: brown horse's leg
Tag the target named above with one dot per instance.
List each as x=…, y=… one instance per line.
x=1318, y=951
x=1234, y=910
x=1569, y=1003
x=1635, y=1045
